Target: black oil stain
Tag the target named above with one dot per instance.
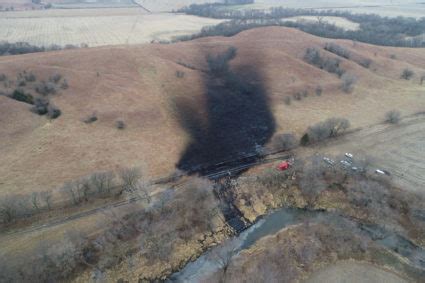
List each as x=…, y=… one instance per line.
x=239, y=119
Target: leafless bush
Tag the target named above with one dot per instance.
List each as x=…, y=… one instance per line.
x=338, y=50
x=14, y=207
x=223, y=254
x=285, y=142
x=332, y=127
x=130, y=178
x=331, y=65
x=422, y=79
x=45, y=88
x=297, y=96
x=287, y=100
x=272, y=179
x=120, y=125
x=41, y=106
x=348, y=82
x=103, y=182
x=392, y=116
x=64, y=84
x=319, y=91
x=407, y=74
x=365, y=63
x=53, y=112
x=3, y=77
x=312, y=181
x=91, y=118
x=55, y=78
x=180, y=74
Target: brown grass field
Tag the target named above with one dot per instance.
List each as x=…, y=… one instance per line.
x=138, y=84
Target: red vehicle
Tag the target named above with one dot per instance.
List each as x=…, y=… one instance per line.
x=284, y=165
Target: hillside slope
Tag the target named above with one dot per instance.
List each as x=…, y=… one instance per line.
x=140, y=86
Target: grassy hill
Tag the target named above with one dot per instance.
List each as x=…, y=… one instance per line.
x=153, y=89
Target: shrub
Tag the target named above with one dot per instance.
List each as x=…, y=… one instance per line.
x=20, y=95
x=21, y=82
x=29, y=77
x=91, y=119
x=64, y=84
x=41, y=106
x=179, y=74
x=319, y=91
x=365, y=63
x=392, y=116
x=298, y=96
x=130, y=178
x=53, y=112
x=407, y=74
x=120, y=125
x=287, y=100
x=45, y=88
x=332, y=127
x=3, y=77
x=422, y=79
x=331, y=65
x=285, y=142
x=338, y=50
x=55, y=78
x=348, y=82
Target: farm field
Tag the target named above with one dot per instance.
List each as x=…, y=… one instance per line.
x=337, y=21
x=96, y=27
x=170, y=5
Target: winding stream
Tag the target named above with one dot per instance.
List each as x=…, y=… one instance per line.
x=279, y=219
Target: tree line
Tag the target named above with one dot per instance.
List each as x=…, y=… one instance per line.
x=399, y=31
x=17, y=48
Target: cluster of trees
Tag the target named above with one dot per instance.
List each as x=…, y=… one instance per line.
x=41, y=101
x=154, y=230
x=321, y=131
x=331, y=65
x=373, y=29
x=338, y=50
x=97, y=185
x=7, y=48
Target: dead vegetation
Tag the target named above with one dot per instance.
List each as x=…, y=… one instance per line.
x=174, y=219
x=321, y=131
x=27, y=89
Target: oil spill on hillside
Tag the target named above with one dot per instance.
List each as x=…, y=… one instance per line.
x=238, y=116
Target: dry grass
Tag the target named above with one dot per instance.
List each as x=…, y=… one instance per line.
x=138, y=85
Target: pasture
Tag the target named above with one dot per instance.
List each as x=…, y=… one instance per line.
x=96, y=27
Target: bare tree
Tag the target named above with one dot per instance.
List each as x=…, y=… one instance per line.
x=223, y=254
x=35, y=200
x=407, y=74
x=392, y=116
x=47, y=197
x=285, y=142
x=348, y=82
x=103, y=181
x=130, y=178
